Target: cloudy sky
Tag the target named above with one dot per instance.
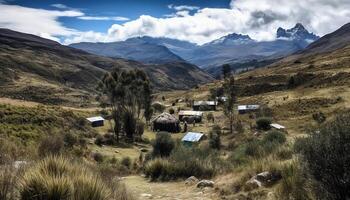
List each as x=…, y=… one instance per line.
x=198, y=21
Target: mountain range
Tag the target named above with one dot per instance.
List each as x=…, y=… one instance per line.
x=34, y=68
x=231, y=49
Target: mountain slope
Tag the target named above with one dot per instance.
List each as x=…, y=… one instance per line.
x=38, y=69
x=336, y=40
x=134, y=49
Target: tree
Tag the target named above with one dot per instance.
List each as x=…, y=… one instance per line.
x=226, y=71
x=127, y=92
x=230, y=91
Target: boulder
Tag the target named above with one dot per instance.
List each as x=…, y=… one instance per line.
x=252, y=184
x=205, y=183
x=268, y=178
x=191, y=180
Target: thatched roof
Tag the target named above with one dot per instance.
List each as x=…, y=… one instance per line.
x=165, y=118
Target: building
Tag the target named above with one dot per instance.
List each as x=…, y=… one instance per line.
x=242, y=109
x=197, y=115
x=96, y=121
x=204, y=105
x=277, y=126
x=192, y=138
x=166, y=122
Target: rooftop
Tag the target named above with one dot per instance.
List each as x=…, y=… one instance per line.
x=94, y=119
x=192, y=137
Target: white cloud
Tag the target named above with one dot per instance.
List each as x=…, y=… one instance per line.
x=60, y=6
x=104, y=18
x=183, y=7
x=37, y=21
x=260, y=19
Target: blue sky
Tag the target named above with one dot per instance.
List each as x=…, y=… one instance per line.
x=130, y=9
x=197, y=21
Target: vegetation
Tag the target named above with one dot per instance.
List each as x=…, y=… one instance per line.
x=326, y=158
x=163, y=145
x=128, y=92
x=263, y=123
x=214, y=138
x=230, y=92
x=226, y=71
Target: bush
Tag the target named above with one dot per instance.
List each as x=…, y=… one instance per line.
x=294, y=183
x=99, y=140
x=158, y=107
x=51, y=145
x=163, y=144
x=263, y=123
x=171, y=111
x=140, y=128
x=326, y=157
x=70, y=139
x=98, y=157
x=126, y=161
x=210, y=117
x=274, y=137
x=319, y=117
x=58, y=178
x=8, y=179
x=214, y=138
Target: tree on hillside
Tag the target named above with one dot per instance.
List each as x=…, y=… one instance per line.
x=128, y=92
x=230, y=92
x=226, y=71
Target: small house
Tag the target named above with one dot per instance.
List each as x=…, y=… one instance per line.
x=204, y=105
x=242, y=109
x=166, y=122
x=192, y=138
x=197, y=115
x=96, y=121
x=277, y=126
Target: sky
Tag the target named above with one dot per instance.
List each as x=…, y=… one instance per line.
x=197, y=21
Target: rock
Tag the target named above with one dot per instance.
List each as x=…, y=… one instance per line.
x=205, y=183
x=191, y=180
x=268, y=178
x=19, y=163
x=116, y=151
x=144, y=150
x=252, y=184
x=145, y=195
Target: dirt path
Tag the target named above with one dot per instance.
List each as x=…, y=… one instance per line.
x=143, y=189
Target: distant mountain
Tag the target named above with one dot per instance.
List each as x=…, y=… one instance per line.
x=240, y=50
x=298, y=33
x=138, y=49
x=330, y=42
x=42, y=70
x=231, y=39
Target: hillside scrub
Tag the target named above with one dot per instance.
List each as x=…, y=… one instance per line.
x=184, y=162
x=327, y=159
x=263, y=123
x=163, y=145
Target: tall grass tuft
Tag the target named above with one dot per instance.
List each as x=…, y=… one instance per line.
x=57, y=178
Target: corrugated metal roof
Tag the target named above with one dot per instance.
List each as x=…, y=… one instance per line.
x=192, y=137
x=248, y=107
x=203, y=103
x=277, y=126
x=94, y=119
x=190, y=112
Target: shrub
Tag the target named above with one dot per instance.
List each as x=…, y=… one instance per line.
x=70, y=139
x=171, y=111
x=140, y=128
x=214, y=138
x=58, y=178
x=210, y=117
x=274, y=137
x=326, y=157
x=294, y=183
x=51, y=145
x=99, y=140
x=263, y=123
x=126, y=161
x=319, y=117
x=158, y=107
x=163, y=144
x=98, y=157
x=129, y=122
